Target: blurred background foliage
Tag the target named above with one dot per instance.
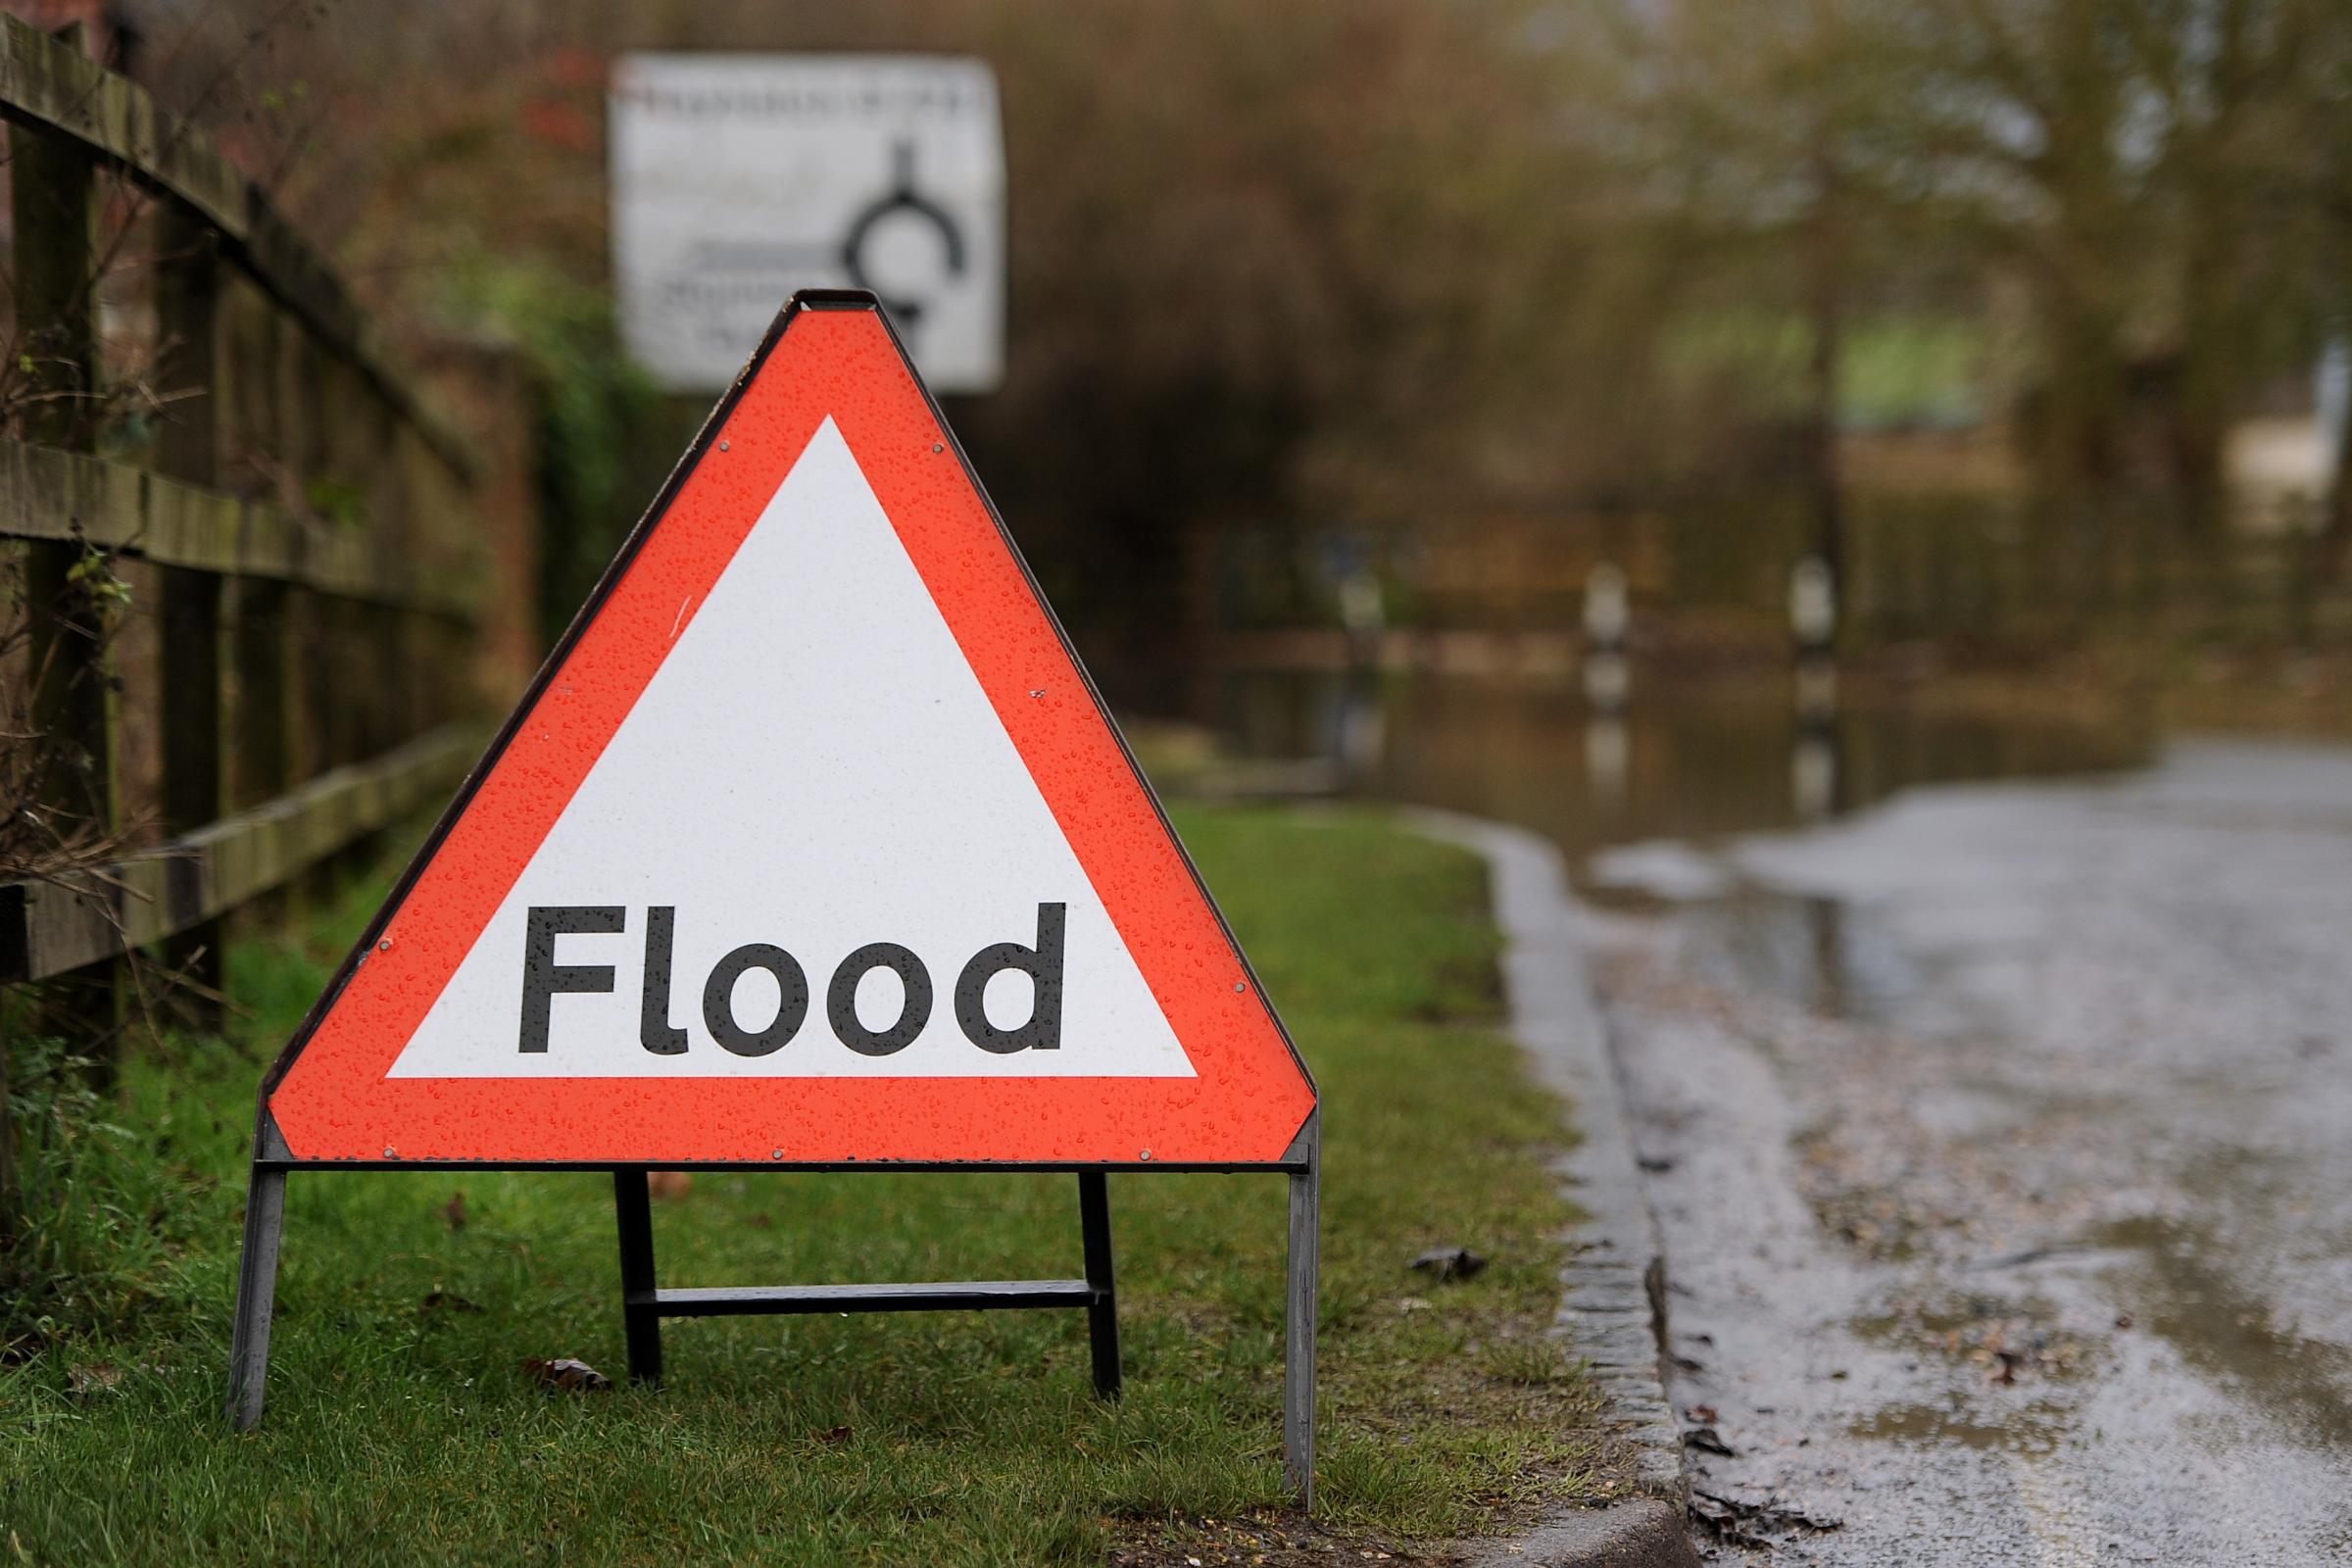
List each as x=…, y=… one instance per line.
x=1361, y=264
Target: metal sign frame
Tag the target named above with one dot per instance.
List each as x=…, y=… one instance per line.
x=644, y=1301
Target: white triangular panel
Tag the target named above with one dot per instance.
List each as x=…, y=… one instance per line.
x=813, y=766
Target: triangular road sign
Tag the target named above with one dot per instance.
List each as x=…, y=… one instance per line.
x=811, y=844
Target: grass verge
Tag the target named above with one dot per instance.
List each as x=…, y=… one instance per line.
x=403, y=1427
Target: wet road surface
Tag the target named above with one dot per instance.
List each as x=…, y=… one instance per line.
x=2002, y=1139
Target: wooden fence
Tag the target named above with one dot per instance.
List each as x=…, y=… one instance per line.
x=251, y=594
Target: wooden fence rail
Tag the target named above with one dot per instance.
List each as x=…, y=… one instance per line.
x=248, y=635
x=72, y=498
x=48, y=929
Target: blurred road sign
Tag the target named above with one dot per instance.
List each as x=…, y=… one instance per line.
x=738, y=179
x=811, y=843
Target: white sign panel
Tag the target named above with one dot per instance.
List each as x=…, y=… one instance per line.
x=738, y=179
x=821, y=780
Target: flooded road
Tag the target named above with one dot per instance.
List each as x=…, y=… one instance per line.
x=1685, y=762
x=2002, y=1139
x=1999, y=1122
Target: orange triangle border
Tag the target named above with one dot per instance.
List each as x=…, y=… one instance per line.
x=328, y=1099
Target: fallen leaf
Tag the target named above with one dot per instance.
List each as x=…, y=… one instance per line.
x=1705, y=1415
x=1734, y=1519
x=437, y=1298
x=454, y=1211
x=569, y=1374
x=1412, y=1304
x=1706, y=1440
x=99, y=1377
x=840, y=1434
x=669, y=1183
x=1448, y=1263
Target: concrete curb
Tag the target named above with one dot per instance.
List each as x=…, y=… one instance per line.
x=1613, y=1296
x=1637, y=1532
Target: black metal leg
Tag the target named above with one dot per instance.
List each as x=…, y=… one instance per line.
x=1298, y=1339
x=1102, y=1311
x=632, y=1208
x=257, y=1296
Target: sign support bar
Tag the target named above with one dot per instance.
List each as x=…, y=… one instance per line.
x=1298, y=1343
x=644, y=1304
x=639, y=1312
x=1102, y=1300
x=257, y=1294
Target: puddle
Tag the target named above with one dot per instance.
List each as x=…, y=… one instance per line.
x=2035, y=1428
x=2186, y=1289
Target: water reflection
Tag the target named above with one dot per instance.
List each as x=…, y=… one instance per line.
x=1608, y=757
x=1805, y=950
x=1813, y=770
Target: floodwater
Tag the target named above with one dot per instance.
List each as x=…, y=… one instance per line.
x=1696, y=761
x=1999, y=1125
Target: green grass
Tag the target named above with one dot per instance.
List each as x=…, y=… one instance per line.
x=403, y=1427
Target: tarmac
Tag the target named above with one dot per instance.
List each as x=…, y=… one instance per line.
x=1998, y=1133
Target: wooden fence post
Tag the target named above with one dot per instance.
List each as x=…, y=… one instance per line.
x=53, y=189
x=310, y=629
x=263, y=370
x=190, y=446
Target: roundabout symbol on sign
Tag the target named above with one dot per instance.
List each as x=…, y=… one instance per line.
x=903, y=197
